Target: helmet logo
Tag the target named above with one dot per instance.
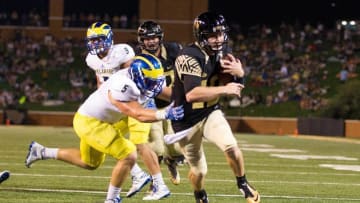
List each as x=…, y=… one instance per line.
x=196, y=24
x=218, y=28
x=148, y=74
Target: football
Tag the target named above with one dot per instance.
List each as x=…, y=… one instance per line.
x=225, y=78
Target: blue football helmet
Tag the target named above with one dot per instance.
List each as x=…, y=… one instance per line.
x=148, y=74
x=99, y=38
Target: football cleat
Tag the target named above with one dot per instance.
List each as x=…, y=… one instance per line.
x=138, y=182
x=4, y=176
x=250, y=193
x=158, y=192
x=201, y=196
x=35, y=153
x=173, y=172
x=116, y=200
x=180, y=160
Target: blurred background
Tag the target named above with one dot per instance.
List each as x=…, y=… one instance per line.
x=301, y=57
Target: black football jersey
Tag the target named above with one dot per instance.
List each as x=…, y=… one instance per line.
x=193, y=67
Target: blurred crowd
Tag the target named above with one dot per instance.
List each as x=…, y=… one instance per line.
x=26, y=66
x=121, y=21
x=289, y=60
x=33, y=17
x=293, y=61
x=37, y=18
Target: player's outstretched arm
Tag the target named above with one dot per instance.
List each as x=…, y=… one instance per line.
x=137, y=111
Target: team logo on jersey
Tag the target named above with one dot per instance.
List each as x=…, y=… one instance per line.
x=188, y=65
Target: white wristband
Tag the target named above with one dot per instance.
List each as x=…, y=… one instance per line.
x=160, y=115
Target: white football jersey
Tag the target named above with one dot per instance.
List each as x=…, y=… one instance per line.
x=105, y=67
x=122, y=88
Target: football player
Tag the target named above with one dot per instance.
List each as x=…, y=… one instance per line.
x=151, y=40
x=101, y=123
x=196, y=86
x=106, y=58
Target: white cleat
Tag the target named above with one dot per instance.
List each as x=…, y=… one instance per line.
x=138, y=182
x=34, y=154
x=116, y=200
x=158, y=192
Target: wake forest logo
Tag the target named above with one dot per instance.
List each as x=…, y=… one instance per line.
x=187, y=65
x=218, y=28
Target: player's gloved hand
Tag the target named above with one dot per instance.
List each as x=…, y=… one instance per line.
x=170, y=112
x=174, y=112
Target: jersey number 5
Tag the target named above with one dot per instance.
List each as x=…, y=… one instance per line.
x=124, y=88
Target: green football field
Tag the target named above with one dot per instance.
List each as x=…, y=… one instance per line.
x=282, y=168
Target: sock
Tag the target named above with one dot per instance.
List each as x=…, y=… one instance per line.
x=158, y=179
x=135, y=170
x=113, y=192
x=50, y=153
x=200, y=194
x=241, y=181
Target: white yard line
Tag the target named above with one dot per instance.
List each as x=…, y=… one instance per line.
x=179, y=194
x=207, y=180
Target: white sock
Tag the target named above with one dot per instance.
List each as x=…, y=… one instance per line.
x=50, y=153
x=135, y=170
x=113, y=192
x=158, y=179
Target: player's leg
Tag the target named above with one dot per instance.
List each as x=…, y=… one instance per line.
x=139, y=135
x=194, y=154
x=170, y=154
x=88, y=129
x=125, y=152
x=218, y=131
x=156, y=140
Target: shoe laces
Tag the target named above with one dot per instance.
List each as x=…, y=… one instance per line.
x=137, y=179
x=154, y=188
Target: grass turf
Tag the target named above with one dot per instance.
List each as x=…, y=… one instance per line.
x=278, y=180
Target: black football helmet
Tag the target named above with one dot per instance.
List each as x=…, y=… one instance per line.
x=209, y=23
x=149, y=29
